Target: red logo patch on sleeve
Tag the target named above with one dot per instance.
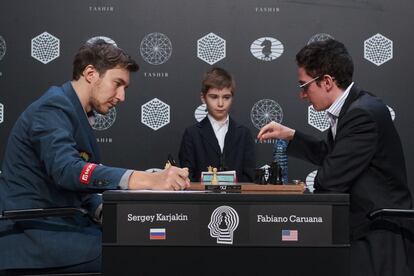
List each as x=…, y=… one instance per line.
x=86, y=173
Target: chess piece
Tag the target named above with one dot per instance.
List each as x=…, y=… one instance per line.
x=275, y=174
x=214, y=179
x=259, y=176
x=223, y=224
x=167, y=165
x=210, y=169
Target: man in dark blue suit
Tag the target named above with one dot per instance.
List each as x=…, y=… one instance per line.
x=218, y=140
x=362, y=156
x=52, y=160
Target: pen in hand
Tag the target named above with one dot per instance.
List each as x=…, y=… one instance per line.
x=184, y=177
x=171, y=160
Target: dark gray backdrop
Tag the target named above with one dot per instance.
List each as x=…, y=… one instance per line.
x=132, y=144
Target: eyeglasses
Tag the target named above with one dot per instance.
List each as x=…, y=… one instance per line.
x=304, y=86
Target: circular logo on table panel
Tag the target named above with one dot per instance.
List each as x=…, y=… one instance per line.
x=224, y=221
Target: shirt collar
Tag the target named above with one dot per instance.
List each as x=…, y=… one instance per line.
x=335, y=109
x=91, y=118
x=216, y=124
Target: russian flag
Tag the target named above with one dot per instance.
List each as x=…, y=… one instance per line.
x=157, y=234
x=289, y=235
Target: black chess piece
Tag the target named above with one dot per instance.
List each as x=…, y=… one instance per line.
x=259, y=176
x=275, y=174
x=223, y=224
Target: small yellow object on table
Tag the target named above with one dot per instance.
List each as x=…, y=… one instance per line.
x=214, y=179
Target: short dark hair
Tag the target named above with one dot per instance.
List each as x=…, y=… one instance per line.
x=327, y=57
x=103, y=56
x=217, y=78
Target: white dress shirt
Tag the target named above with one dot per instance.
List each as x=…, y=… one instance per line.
x=335, y=109
x=220, y=129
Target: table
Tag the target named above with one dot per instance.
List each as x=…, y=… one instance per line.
x=209, y=233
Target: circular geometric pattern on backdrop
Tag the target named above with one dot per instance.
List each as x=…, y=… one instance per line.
x=2, y=47
x=108, y=40
x=1, y=113
x=265, y=111
x=310, y=181
x=392, y=112
x=156, y=48
x=319, y=37
x=103, y=122
x=201, y=112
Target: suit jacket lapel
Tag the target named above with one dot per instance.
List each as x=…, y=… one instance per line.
x=330, y=139
x=86, y=127
x=208, y=135
x=230, y=139
x=352, y=96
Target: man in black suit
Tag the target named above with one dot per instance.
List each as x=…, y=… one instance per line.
x=362, y=156
x=218, y=140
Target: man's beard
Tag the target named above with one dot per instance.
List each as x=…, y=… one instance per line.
x=99, y=108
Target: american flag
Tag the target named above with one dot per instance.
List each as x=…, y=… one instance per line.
x=289, y=235
x=157, y=234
